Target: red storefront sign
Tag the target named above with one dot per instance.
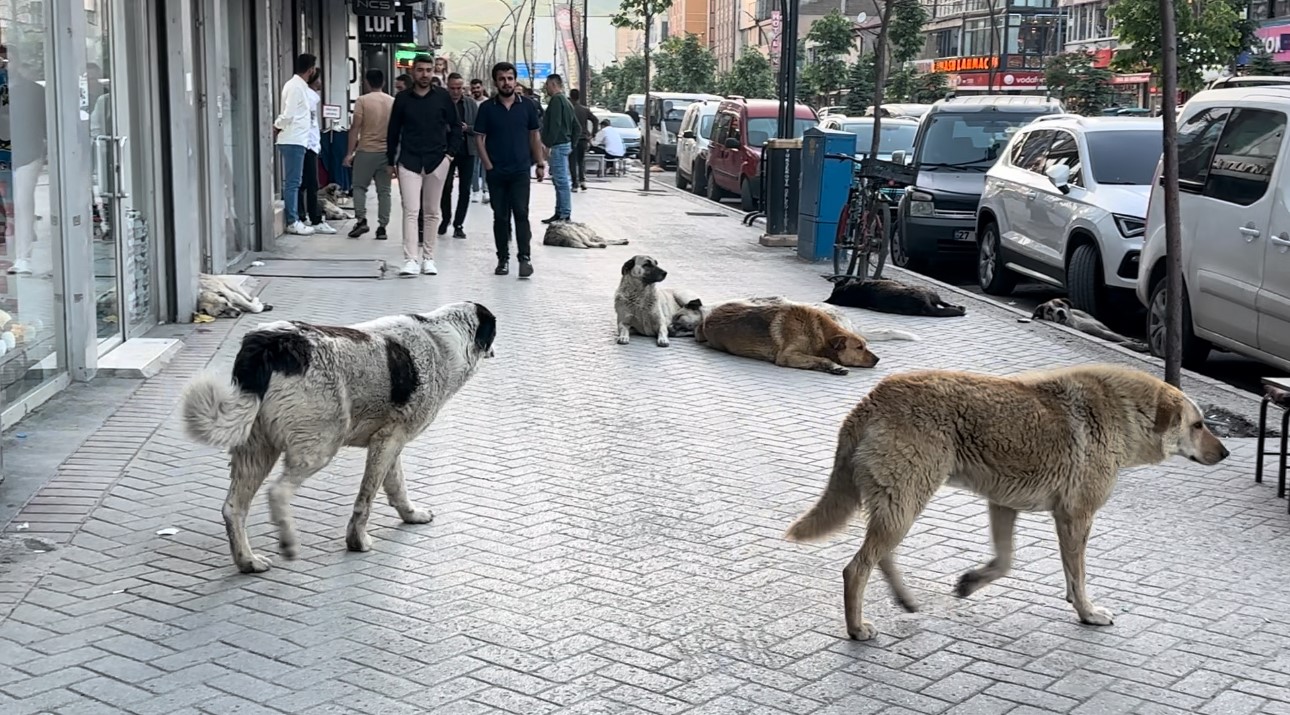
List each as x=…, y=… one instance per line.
x=1002, y=80
x=1138, y=78
x=1102, y=57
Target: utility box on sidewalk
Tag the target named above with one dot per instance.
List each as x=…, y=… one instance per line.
x=781, y=179
x=825, y=185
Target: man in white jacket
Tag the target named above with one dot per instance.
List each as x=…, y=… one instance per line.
x=294, y=128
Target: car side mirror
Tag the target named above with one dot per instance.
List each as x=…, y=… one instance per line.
x=898, y=157
x=687, y=134
x=1060, y=175
x=732, y=143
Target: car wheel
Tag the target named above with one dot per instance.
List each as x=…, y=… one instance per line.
x=1194, y=350
x=1084, y=282
x=993, y=277
x=681, y=183
x=899, y=252
x=698, y=177
x=746, y=200
x=716, y=193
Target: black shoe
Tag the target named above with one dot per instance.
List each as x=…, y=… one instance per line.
x=503, y=267
x=380, y=233
x=526, y=268
x=458, y=232
x=554, y=217
x=584, y=187
x=443, y=229
x=359, y=229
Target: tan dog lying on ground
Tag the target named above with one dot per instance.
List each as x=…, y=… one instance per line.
x=1042, y=441
x=787, y=334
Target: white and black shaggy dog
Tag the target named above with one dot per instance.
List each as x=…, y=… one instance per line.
x=303, y=391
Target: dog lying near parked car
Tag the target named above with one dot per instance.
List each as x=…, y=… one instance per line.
x=785, y=333
x=888, y=296
x=305, y=391
x=567, y=234
x=1041, y=441
x=1060, y=311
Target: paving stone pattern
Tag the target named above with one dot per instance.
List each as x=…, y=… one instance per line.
x=608, y=533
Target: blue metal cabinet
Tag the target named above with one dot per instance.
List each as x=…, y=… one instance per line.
x=825, y=183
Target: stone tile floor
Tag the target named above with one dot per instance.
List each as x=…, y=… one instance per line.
x=608, y=531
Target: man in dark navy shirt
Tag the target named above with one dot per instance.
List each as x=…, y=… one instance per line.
x=423, y=129
x=506, y=132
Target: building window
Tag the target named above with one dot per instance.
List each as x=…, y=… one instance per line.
x=947, y=42
x=1090, y=22
x=979, y=39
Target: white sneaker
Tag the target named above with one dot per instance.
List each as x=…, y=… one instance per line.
x=474, y=197
x=411, y=268
x=485, y=197
x=428, y=267
x=323, y=228
x=300, y=229
x=20, y=267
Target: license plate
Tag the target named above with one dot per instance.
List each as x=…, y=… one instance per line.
x=965, y=235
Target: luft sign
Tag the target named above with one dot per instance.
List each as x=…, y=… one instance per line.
x=377, y=30
x=382, y=8
x=982, y=63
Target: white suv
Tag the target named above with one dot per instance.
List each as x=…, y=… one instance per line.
x=1066, y=205
x=692, y=145
x=1233, y=192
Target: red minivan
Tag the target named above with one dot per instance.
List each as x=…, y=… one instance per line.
x=741, y=128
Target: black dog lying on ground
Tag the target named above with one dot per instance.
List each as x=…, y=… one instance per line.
x=887, y=296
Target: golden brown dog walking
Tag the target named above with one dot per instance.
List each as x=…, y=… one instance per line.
x=1042, y=441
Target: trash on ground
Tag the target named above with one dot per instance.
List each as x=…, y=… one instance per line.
x=169, y=531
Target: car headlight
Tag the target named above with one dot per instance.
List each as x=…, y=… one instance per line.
x=920, y=203
x=1130, y=226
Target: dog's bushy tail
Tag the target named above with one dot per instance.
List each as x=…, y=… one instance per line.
x=841, y=498
x=217, y=413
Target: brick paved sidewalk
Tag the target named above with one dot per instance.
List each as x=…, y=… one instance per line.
x=608, y=532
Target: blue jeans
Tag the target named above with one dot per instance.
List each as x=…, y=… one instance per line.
x=293, y=167
x=560, y=177
x=477, y=178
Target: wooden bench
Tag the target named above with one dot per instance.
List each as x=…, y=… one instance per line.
x=1280, y=384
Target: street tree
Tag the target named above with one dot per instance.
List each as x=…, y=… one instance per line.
x=905, y=36
x=683, y=64
x=1261, y=62
x=751, y=76
x=1209, y=34
x=832, y=40
x=639, y=15
x=861, y=85
x=1169, y=75
x=1083, y=88
x=612, y=84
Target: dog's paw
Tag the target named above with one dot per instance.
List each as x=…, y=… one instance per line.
x=623, y=339
x=256, y=564
x=839, y=370
x=289, y=549
x=358, y=541
x=1097, y=616
x=969, y=583
x=662, y=342
x=417, y=516
x=865, y=631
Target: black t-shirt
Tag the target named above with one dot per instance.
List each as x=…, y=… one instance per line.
x=507, y=133
x=422, y=129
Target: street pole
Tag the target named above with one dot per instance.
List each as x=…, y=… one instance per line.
x=584, y=82
x=788, y=68
x=1173, y=218
x=645, y=116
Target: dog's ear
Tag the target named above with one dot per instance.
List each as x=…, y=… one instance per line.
x=838, y=342
x=1039, y=312
x=627, y=267
x=694, y=304
x=486, y=330
x=1169, y=410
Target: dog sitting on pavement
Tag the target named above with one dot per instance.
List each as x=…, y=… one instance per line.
x=219, y=298
x=1051, y=441
x=568, y=234
x=645, y=307
x=888, y=296
x=305, y=391
x=1060, y=311
x=785, y=333
x=329, y=200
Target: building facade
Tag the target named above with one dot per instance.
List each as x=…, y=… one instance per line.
x=688, y=17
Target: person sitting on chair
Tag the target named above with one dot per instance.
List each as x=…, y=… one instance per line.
x=608, y=141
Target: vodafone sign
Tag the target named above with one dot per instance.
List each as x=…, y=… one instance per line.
x=1002, y=80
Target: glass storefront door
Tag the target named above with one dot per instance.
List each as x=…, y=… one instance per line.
x=116, y=108
x=32, y=334
x=237, y=103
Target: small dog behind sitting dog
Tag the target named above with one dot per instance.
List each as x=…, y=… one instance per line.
x=567, y=234
x=888, y=296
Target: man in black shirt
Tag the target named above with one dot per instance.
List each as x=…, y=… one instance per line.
x=506, y=134
x=587, y=127
x=423, y=127
x=463, y=158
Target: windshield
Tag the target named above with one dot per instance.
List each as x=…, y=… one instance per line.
x=621, y=121
x=674, y=109
x=705, y=125
x=1124, y=158
x=895, y=137
x=969, y=141
x=763, y=129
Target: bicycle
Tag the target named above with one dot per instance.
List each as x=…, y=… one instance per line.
x=863, y=225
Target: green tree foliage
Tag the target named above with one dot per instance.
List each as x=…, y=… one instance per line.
x=907, y=85
x=617, y=81
x=833, y=41
x=1210, y=34
x=683, y=64
x=631, y=13
x=751, y=76
x=861, y=83
x=905, y=35
x=1083, y=88
x=1261, y=62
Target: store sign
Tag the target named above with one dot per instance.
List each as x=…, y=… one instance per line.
x=1276, y=39
x=982, y=63
x=1002, y=80
x=379, y=8
x=776, y=28
x=380, y=30
x=1136, y=78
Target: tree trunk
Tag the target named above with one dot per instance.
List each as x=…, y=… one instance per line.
x=994, y=45
x=1173, y=219
x=880, y=76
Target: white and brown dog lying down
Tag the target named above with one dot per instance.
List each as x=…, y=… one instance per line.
x=568, y=234
x=789, y=334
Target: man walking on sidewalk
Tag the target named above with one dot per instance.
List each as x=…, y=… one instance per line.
x=506, y=134
x=586, y=130
x=366, y=153
x=478, y=187
x=463, y=158
x=293, y=127
x=308, y=207
x=559, y=131
x=423, y=125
